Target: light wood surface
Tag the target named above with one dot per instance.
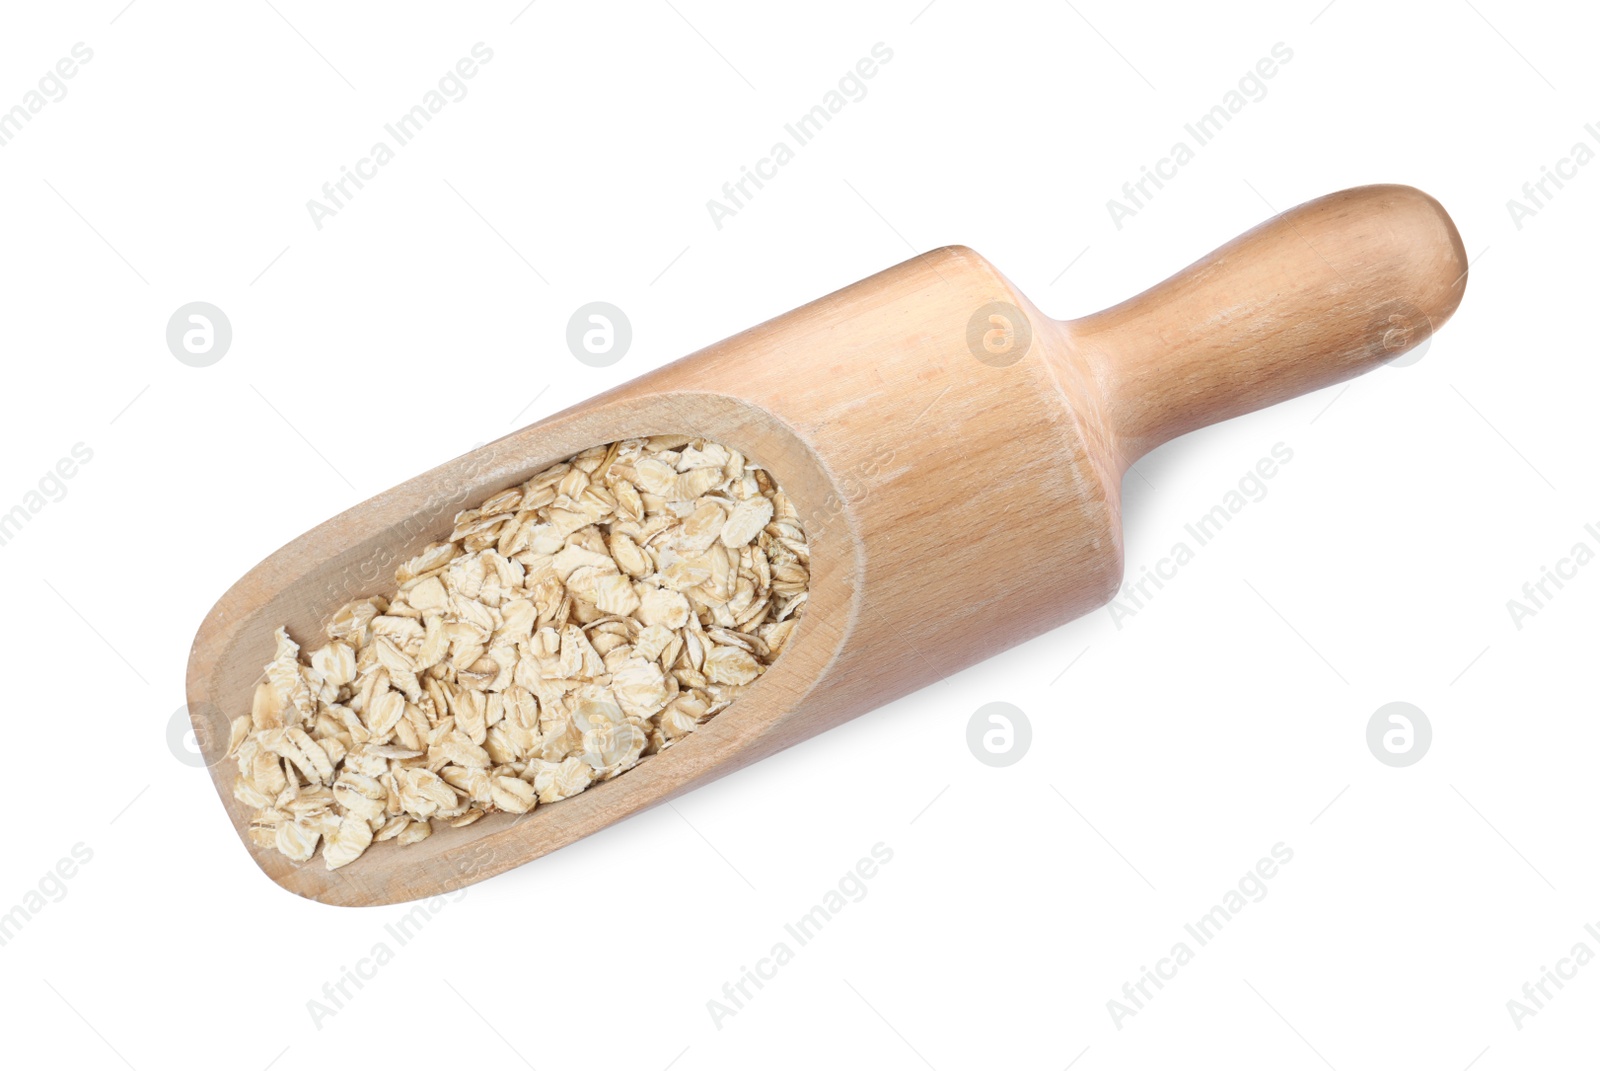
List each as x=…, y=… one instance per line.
x=960, y=496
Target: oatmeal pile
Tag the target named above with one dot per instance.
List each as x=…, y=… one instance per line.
x=572, y=625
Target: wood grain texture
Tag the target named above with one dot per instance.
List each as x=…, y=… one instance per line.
x=959, y=496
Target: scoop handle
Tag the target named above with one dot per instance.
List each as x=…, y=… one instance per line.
x=1312, y=296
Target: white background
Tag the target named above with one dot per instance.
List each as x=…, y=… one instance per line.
x=1174, y=752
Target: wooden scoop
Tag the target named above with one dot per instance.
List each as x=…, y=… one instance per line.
x=955, y=455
